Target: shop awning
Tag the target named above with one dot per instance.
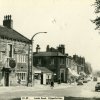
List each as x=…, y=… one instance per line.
x=73, y=73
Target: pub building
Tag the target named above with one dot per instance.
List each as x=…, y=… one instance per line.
x=14, y=55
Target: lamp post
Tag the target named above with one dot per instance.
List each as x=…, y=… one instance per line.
x=30, y=72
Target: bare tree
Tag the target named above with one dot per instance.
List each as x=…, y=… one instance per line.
x=97, y=11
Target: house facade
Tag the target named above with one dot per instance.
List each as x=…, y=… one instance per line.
x=53, y=59
x=14, y=54
x=80, y=63
x=71, y=67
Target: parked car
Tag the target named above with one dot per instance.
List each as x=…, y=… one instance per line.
x=85, y=81
x=95, y=79
x=97, y=86
x=80, y=82
x=89, y=79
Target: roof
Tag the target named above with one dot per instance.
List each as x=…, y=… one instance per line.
x=44, y=70
x=12, y=34
x=36, y=70
x=48, y=54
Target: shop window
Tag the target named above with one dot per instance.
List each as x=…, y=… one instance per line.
x=37, y=76
x=21, y=76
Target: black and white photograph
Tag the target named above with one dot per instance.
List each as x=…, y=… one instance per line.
x=49, y=49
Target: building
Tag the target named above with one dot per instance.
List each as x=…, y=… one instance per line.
x=71, y=67
x=14, y=54
x=42, y=75
x=53, y=59
x=80, y=63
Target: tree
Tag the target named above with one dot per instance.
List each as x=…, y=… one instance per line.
x=97, y=11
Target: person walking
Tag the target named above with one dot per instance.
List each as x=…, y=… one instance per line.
x=52, y=84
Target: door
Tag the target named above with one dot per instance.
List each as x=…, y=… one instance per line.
x=62, y=77
x=6, y=78
x=41, y=78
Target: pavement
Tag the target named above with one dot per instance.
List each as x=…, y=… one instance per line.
x=34, y=88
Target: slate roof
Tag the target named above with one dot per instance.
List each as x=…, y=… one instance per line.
x=12, y=34
x=44, y=70
x=49, y=54
x=36, y=70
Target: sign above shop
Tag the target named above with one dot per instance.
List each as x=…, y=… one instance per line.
x=12, y=63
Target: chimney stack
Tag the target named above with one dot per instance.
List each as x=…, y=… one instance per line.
x=37, y=49
x=8, y=22
x=48, y=48
x=61, y=49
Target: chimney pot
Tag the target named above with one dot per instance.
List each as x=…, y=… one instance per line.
x=7, y=22
x=6, y=17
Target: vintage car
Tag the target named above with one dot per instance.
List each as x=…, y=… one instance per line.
x=97, y=86
x=80, y=82
x=85, y=81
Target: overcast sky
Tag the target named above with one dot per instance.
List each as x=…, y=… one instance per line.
x=66, y=21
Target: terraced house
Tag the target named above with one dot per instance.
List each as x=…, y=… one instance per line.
x=14, y=50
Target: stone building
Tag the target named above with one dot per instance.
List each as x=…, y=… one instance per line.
x=80, y=63
x=71, y=67
x=53, y=59
x=14, y=49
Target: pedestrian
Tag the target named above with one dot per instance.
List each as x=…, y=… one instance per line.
x=58, y=81
x=70, y=81
x=52, y=84
x=19, y=81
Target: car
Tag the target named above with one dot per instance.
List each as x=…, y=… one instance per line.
x=80, y=82
x=95, y=79
x=84, y=81
x=97, y=86
x=89, y=79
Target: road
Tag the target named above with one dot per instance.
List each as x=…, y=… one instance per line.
x=86, y=90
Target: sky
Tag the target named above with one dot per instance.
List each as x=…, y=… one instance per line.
x=66, y=22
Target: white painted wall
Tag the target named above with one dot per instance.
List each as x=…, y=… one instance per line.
x=44, y=78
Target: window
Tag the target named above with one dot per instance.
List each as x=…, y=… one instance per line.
x=21, y=58
x=52, y=60
x=17, y=58
x=61, y=60
x=21, y=76
x=0, y=56
x=39, y=61
x=10, y=51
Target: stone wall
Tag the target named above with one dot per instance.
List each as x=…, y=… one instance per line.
x=19, y=48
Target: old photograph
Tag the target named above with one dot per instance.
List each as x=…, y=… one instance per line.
x=49, y=49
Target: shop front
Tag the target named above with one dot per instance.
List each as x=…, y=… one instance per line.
x=72, y=76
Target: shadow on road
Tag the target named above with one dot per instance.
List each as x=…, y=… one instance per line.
x=16, y=99
x=80, y=98
x=69, y=98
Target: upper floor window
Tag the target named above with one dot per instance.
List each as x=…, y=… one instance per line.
x=52, y=60
x=0, y=56
x=61, y=60
x=10, y=50
x=39, y=61
x=21, y=58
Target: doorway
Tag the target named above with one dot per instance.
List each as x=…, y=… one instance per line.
x=62, y=77
x=41, y=78
x=6, y=78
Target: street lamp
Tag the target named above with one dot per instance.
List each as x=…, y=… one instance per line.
x=32, y=39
